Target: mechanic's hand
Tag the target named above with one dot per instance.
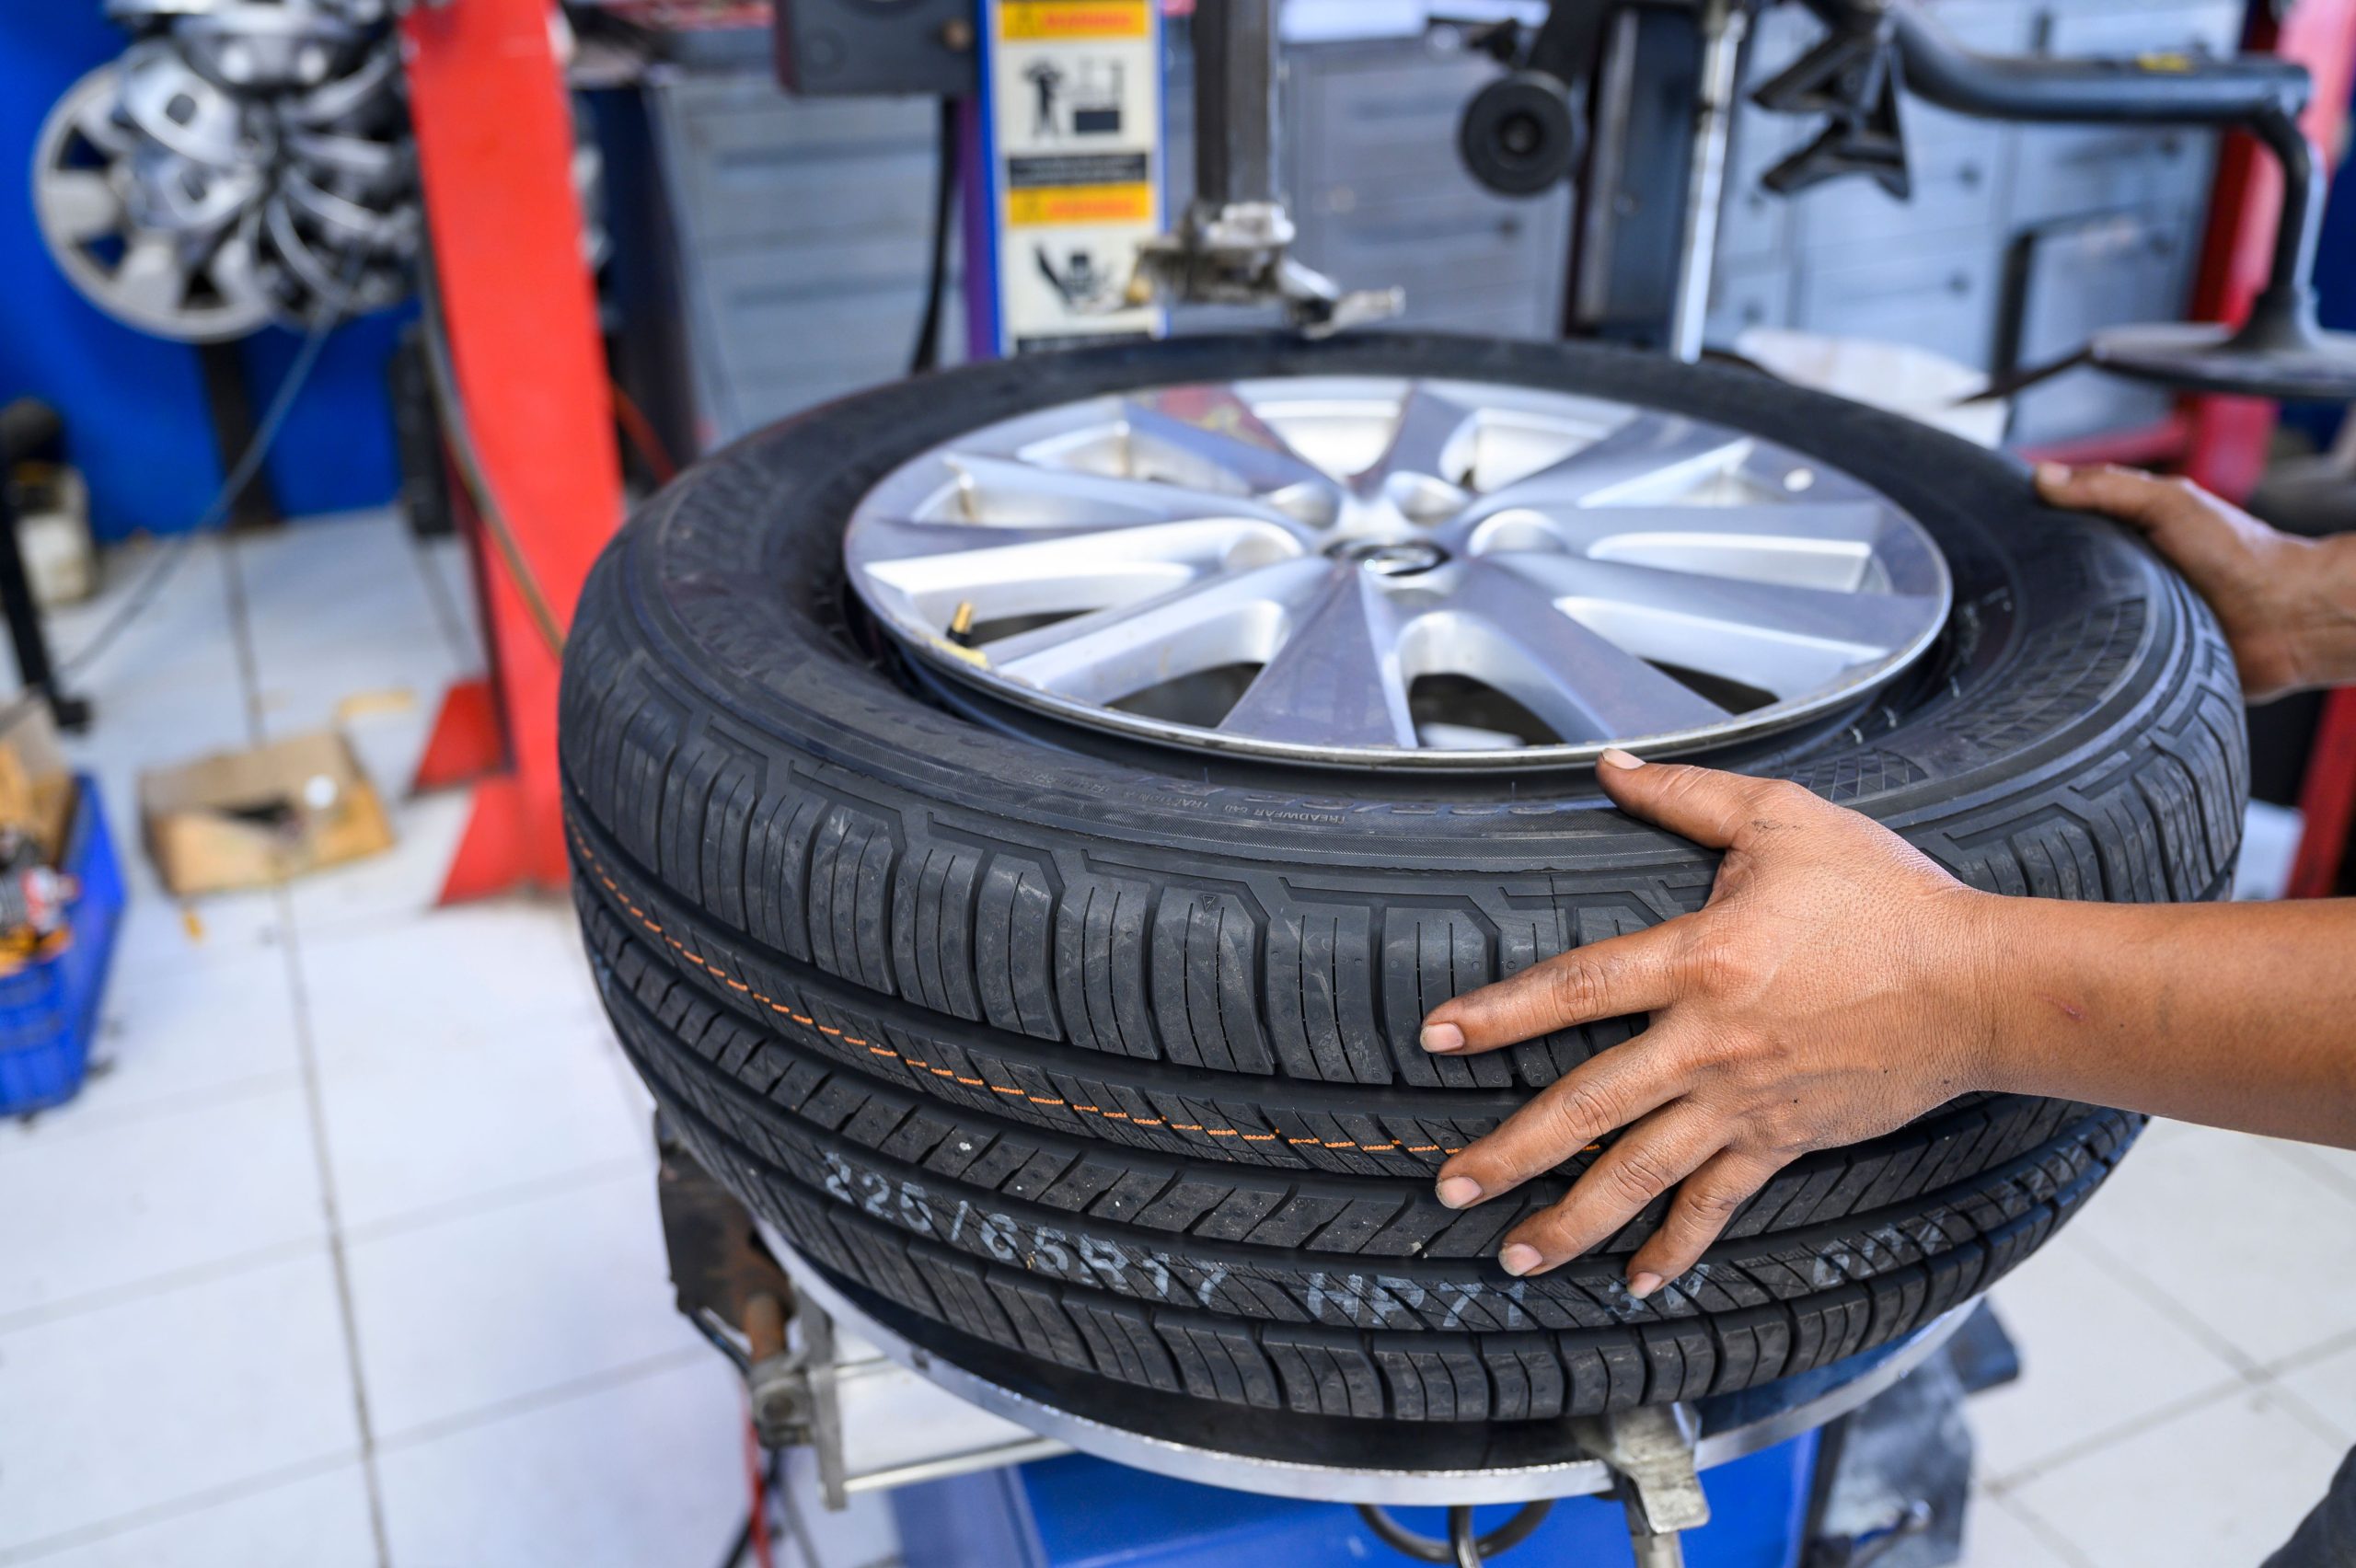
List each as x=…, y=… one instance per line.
x=1836, y=986
x=2288, y=604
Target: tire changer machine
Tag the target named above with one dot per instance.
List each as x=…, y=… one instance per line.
x=1863, y=1461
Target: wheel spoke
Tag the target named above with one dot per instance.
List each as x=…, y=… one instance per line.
x=94, y=119
x=1420, y=442
x=993, y=488
x=1852, y=526
x=1335, y=678
x=1507, y=631
x=1779, y=639
x=1235, y=617
x=150, y=278
x=900, y=546
x=231, y=271
x=1217, y=430
x=1649, y=458
x=1815, y=545
x=1001, y=571
x=82, y=203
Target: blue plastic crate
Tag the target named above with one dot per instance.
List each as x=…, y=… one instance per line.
x=49, y=1010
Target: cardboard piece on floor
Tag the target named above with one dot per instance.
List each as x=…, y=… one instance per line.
x=255, y=818
x=36, y=781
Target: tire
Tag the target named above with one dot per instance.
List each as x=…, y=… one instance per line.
x=1103, y=1063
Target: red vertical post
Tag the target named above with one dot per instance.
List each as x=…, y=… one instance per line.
x=2230, y=434
x=494, y=143
x=2326, y=799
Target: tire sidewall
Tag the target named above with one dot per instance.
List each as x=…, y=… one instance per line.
x=731, y=579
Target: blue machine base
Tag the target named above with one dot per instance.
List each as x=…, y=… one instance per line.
x=1078, y=1512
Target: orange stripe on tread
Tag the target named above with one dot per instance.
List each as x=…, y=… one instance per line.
x=807, y=1022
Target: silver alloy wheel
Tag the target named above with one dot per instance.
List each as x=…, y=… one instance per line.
x=169, y=101
x=1382, y=572
x=200, y=286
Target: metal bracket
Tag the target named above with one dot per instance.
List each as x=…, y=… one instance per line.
x=1853, y=78
x=1206, y=263
x=729, y=1287
x=825, y=1427
x=1650, y=1450
x=1231, y=247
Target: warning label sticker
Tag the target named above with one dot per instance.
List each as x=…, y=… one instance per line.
x=1074, y=120
x=1075, y=19
x=1050, y=204
x=1111, y=187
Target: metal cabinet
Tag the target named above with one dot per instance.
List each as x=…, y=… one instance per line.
x=1381, y=197
x=1957, y=189
x=2070, y=170
x=2074, y=275
x=1377, y=193
x=1749, y=295
x=1946, y=303
x=801, y=229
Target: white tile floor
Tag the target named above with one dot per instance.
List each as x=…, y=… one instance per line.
x=348, y=1253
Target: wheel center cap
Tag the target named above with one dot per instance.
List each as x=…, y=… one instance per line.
x=1403, y=558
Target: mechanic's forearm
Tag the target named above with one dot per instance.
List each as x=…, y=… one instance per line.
x=2321, y=626
x=2238, y=1015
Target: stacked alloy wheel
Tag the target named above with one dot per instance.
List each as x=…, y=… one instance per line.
x=1022, y=815
x=244, y=161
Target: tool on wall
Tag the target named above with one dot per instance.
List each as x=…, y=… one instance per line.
x=1524, y=133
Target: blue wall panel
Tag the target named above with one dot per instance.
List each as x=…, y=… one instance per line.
x=337, y=451
x=133, y=405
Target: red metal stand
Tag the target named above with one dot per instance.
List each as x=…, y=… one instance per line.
x=2229, y=436
x=495, y=139
x=468, y=740
x=2326, y=799
x=2144, y=446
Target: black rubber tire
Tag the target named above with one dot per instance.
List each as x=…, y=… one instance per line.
x=1107, y=1064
